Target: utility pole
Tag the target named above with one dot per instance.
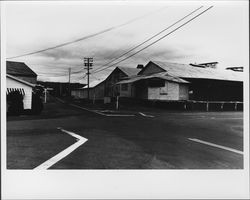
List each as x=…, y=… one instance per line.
x=88, y=63
x=69, y=81
x=45, y=95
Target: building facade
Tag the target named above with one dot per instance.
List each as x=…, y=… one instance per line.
x=119, y=74
x=157, y=86
x=23, y=87
x=96, y=91
x=206, y=83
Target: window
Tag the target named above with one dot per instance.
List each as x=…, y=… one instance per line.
x=125, y=87
x=164, y=90
x=156, y=83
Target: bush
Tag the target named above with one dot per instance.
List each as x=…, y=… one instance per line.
x=37, y=104
x=15, y=103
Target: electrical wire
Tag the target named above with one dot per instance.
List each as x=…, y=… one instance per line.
x=135, y=47
x=155, y=41
x=85, y=37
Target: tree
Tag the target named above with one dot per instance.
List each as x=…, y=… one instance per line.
x=37, y=104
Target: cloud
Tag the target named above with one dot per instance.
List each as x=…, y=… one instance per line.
x=60, y=53
x=57, y=61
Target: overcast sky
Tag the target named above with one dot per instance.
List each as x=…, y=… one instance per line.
x=221, y=35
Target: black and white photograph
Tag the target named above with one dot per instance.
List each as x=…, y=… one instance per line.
x=126, y=89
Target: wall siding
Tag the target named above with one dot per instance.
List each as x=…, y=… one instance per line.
x=116, y=76
x=28, y=79
x=169, y=92
x=183, y=92
x=127, y=93
x=97, y=92
x=27, y=100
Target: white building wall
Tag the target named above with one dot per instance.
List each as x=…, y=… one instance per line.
x=183, y=92
x=27, y=100
x=169, y=92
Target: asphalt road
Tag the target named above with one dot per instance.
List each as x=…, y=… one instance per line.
x=150, y=140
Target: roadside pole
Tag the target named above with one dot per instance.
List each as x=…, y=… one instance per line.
x=94, y=99
x=117, y=102
x=69, y=81
x=88, y=63
x=45, y=95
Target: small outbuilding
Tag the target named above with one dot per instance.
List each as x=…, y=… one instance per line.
x=158, y=86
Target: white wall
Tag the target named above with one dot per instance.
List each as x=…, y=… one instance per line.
x=169, y=92
x=27, y=100
x=183, y=92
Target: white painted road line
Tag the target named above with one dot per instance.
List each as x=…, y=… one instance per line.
x=117, y=115
x=93, y=111
x=216, y=145
x=144, y=115
x=101, y=113
x=47, y=164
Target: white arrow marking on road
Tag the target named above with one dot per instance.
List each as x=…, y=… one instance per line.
x=47, y=164
x=216, y=145
x=144, y=115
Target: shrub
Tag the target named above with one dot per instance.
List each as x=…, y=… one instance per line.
x=37, y=104
x=15, y=103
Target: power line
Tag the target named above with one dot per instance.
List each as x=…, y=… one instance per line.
x=58, y=74
x=135, y=47
x=85, y=37
x=156, y=40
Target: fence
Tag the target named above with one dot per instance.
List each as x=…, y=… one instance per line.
x=185, y=105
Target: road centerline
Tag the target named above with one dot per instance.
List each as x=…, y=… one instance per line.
x=80, y=140
x=216, y=145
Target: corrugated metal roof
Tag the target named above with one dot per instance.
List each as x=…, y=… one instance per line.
x=20, y=80
x=162, y=75
x=19, y=69
x=188, y=71
x=94, y=83
x=129, y=70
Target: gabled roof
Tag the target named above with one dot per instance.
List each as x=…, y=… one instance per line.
x=20, y=80
x=94, y=83
x=19, y=69
x=161, y=75
x=129, y=71
x=188, y=71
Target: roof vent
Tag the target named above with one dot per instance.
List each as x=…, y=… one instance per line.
x=206, y=65
x=236, y=69
x=140, y=66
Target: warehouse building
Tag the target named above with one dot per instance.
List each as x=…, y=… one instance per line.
x=106, y=88
x=96, y=91
x=173, y=81
x=119, y=74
